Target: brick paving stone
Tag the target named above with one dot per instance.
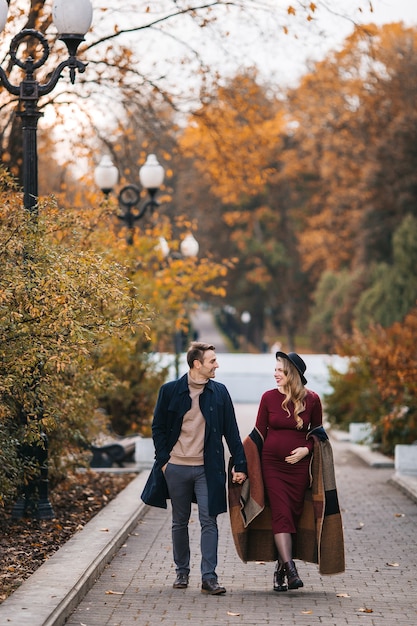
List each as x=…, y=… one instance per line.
x=380, y=526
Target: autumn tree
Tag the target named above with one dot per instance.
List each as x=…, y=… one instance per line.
x=380, y=384
x=393, y=290
x=356, y=182
x=331, y=314
x=236, y=145
x=170, y=285
x=60, y=305
x=347, y=111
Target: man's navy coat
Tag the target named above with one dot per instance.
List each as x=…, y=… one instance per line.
x=217, y=408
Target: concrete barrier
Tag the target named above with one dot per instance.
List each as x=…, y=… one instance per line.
x=406, y=459
x=144, y=452
x=360, y=432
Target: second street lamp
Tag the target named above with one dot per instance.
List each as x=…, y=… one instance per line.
x=151, y=176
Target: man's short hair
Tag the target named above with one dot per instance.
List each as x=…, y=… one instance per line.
x=196, y=351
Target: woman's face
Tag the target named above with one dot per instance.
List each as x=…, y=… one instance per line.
x=280, y=376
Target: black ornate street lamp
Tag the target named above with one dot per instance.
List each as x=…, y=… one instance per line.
x=72, y=19
x=151, y=176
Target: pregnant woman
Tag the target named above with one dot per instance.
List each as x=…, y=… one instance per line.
x=285, y=416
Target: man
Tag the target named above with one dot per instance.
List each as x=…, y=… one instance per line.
x=192, y=415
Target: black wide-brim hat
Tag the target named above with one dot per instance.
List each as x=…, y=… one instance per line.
x=297, y=361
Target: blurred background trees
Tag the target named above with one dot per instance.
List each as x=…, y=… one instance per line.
x=303, y=200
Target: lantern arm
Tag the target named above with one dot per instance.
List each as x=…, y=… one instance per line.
x=73, y=64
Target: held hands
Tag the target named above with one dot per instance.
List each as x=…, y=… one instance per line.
x=296, y=455
x=238, y=477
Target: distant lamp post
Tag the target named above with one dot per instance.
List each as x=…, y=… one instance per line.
x=189, y=247
x=72, y=20
x=151, y=176
x=245, y=318
x=163, y=247
x=106, y=175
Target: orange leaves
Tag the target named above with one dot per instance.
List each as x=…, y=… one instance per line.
x=389, y=355
x=239, y=122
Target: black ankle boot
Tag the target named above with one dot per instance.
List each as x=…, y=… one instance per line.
x=294, y=581
x=279, y=577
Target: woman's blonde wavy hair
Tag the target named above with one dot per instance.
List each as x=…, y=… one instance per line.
x=294, y=390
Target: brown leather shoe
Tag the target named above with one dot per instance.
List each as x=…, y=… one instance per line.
x=181, y=581
x=212, y=587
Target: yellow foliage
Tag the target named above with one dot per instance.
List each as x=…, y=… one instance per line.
x=237, y=121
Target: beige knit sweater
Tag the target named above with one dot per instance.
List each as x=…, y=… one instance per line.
x=189, y=449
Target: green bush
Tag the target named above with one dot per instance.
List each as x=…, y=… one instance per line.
x=60, y=304
x=129, y=403
x=354, y=396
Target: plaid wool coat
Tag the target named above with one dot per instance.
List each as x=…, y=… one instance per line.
x=319, y=537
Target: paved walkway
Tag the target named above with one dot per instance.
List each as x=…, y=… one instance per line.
x=203, y=322
x=378, y=588
x=123, y=556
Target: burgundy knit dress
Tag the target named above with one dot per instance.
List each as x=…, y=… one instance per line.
x=285, y=483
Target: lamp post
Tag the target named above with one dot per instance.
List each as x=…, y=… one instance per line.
x=151, y=176
x=189, y=247
x=245, y=318
x=72, y=21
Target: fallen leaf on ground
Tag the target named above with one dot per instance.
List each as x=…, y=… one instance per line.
x=114, y=593
x=342, y=595
x=72, y=512
x=233, y=614
x=393, y=564
x=365, y=610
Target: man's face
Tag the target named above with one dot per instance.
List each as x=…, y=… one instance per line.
x=207, y=369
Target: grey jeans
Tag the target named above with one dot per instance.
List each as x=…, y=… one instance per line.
x=183, y=483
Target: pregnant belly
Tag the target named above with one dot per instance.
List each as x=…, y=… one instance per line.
x=280, y=443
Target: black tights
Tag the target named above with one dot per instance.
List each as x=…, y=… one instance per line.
x=283, y=542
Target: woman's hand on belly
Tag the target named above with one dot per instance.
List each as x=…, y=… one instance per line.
x=297, y=454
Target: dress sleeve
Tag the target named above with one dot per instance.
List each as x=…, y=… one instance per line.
x=316, y=418
x=262, y=417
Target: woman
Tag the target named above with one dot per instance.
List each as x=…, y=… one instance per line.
x=285, y=416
